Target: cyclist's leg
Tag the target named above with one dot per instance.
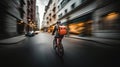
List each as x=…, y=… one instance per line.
x=61, y=37
x=54, y=40
x=54, y=43
x=57, y=41
x=60, y=40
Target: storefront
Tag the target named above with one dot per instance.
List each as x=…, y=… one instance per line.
x=110, y=21
x=81, y=26
x=20, y=27
x=107, y=21
x=50, y=29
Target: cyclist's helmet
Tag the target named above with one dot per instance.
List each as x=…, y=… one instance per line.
x=58, y=22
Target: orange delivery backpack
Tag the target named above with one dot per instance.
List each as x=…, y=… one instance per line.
x=62, y=30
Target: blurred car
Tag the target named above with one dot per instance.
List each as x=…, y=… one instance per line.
x=37, y=32
x=30, y=33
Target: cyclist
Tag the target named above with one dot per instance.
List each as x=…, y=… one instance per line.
x=55, y=31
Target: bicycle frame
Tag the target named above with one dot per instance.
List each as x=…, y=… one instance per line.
x=58, y=41
x=58, y=46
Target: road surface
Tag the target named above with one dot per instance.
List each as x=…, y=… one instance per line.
x=38, y=51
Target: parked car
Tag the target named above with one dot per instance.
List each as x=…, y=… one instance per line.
x=30, y=33
x=37, y=32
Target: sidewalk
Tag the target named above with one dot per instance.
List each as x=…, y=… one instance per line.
x=12, y=40
x=114, y=43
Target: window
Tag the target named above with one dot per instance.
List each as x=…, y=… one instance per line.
x=73, y=6
x=64, y=2
x=47, y=18
x=58, y=7
x=65, y=10
x=50, y=19
x=83, y=1
x=50, y=14
x=60, y=15
x=110, y=21
x=54, y=9
x=54, y=16
x=47, y=22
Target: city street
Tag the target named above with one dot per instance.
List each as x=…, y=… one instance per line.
x=38, y=51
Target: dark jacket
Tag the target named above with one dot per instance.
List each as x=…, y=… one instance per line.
x=55, y=31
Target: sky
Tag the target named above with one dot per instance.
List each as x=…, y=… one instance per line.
x=41, y=4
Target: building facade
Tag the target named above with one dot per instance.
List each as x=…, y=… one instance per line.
x=11, y=13
x=31, y=15
x=50, y=15
x=107, y=19
x=44, y=24
x=77, y=15
x=31, y=9
x=17, y=17
x=37, y=17
x=97, y=18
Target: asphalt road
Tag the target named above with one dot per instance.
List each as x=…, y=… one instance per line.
x=38, y=51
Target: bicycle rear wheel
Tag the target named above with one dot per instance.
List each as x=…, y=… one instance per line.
x=54, y=44
x=61, y=50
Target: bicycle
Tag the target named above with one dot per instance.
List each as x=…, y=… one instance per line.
x=58, y=47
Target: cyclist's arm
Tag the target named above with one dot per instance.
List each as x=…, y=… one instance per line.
x=54, y=30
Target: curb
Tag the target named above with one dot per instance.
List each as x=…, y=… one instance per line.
x=95, y=41
x=13, y=42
